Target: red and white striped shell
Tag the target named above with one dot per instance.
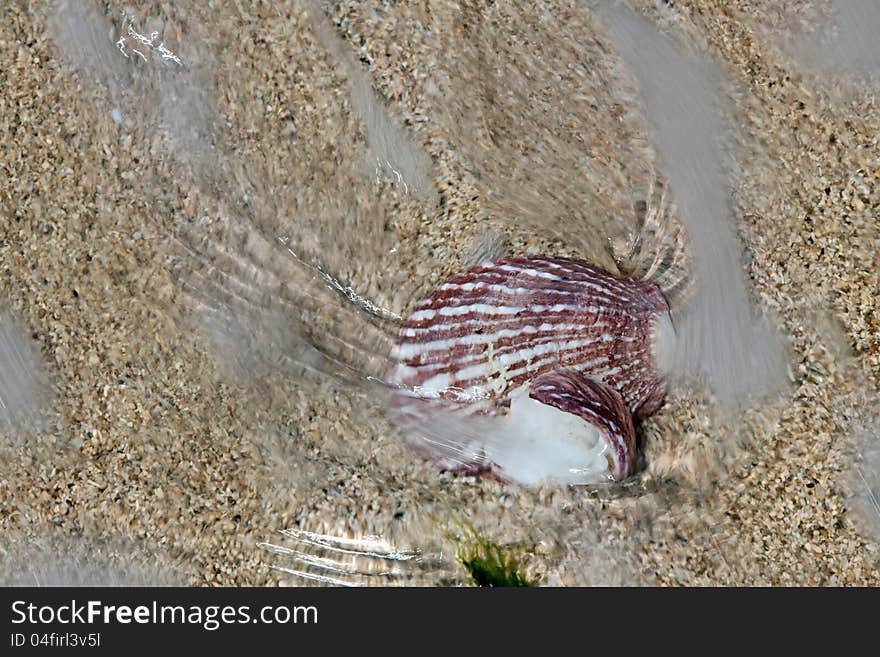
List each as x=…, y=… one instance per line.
x=572, y=335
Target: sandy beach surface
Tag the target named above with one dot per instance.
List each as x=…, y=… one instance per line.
x=165, y=321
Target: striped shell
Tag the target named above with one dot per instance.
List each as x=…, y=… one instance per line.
x=485, y=334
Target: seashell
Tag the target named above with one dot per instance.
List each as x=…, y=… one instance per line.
x=510, y=337
x=601, y=411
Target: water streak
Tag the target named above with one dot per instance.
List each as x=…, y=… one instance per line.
x=718, y=334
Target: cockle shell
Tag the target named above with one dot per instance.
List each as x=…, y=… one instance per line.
x=559, y=332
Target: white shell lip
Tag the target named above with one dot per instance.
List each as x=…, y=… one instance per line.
x=546, y=445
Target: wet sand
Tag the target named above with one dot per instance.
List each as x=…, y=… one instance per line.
x=171, y=448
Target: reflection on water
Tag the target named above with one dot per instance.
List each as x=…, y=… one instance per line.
x=339, y=561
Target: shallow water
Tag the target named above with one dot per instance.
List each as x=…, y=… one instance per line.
x=719, y=334
x=24, y=386
x=317, y=216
